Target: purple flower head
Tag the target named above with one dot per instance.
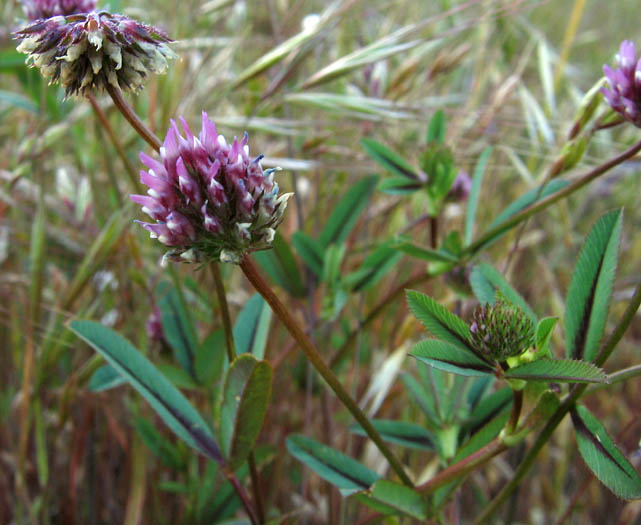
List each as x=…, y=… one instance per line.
x=36, y=9
x=89, y=51
x=461, y=188
x=624, y=95
x=209, y=199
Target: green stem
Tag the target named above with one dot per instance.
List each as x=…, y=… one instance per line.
x=316, y=360
x=104, y=122
x=224, y=309
x=560, y=412
x=616, y=377
x=548, y=201
x=128, y=112
x=231, y=355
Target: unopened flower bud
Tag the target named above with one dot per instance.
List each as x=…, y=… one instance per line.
x=501, y=330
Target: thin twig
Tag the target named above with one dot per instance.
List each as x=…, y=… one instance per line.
x=251, y=272
x=104, y=122
x=132, y=117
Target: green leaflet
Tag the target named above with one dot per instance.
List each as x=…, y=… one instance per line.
x=177, y=327
x=486, y=280
x=473, y=199
x=252, y=327
x=310, y=251
x=391, y=499
x=246, y=392
x=279, y=263
x=374, y=267
x=603, y=457
x=389, y=160
x=398, y=186
x=426, y=254
x=438, y=320
x=561, y=370
x=162, y=448
x=330, y=464
x=105, y=378
x=450, y=358
x=422, y=397
x=436, y=128
x=347, y=212
x=521, y=203
x=399, y=432
x=174, y=408
x=488, y=408
x=588, y=300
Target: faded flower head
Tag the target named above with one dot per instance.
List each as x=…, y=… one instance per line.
x=91, y=51
x=36, y=9
x=501, y=330
x=624, y=95
x=210, y=201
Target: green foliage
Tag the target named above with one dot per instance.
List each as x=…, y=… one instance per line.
x=174, y=409
x=450, y=358
x=389, y=160
x=403, y=433
x=252, y=327
x=475, y=193
x=105, y=378
x=310, y=251
x=486, y=281
x=393, y=499
x=603, y=457
x=436, y=128
x=589, y=294
x=246, y=393
x=343, y=219
x=340, y=470
x=280, y=264
x=177, y=327
x=441, y=322
x=558, y=370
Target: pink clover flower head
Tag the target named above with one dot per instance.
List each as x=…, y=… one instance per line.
x=461, y=188
x=37, y=9
x=209, y=199
x=624, y=93
x=90, y=51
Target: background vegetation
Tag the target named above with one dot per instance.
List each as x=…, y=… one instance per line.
x=508, y=74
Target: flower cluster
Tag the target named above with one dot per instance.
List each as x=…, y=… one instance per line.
x=93, y=50
x=36, y=9
x=461, y=187
x=501, y=330
x=624, y=95
x=210, y=201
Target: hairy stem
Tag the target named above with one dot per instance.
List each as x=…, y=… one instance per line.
x=224, y=311
x=316, y=360
x=132, y=117
x=104, y=122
